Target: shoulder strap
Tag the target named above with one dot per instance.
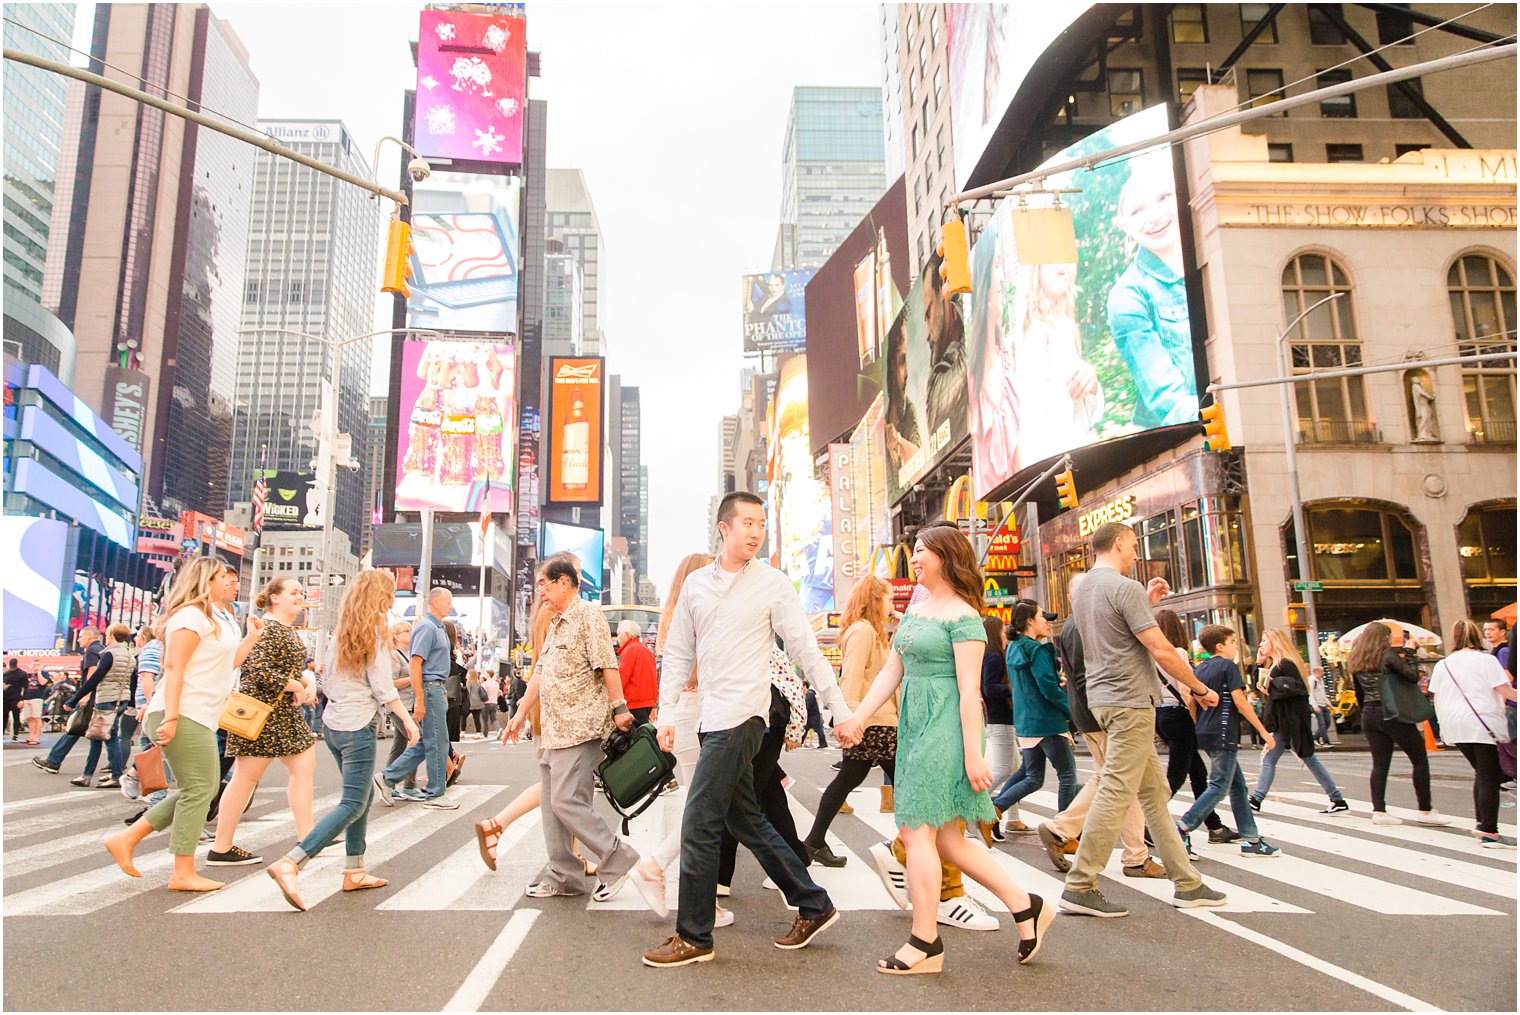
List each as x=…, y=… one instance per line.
x=1449, y=676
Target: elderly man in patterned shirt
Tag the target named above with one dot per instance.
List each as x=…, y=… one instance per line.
x=576, y=682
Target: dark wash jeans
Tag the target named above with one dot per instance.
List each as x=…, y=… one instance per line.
x=722, y=794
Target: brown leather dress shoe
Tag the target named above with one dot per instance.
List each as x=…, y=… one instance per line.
x=676, y=952
x=804, y=930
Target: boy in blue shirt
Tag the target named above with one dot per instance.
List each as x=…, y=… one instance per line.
x=1219, y=734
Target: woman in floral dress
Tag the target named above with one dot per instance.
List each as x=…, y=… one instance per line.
x=942, y=776
x=271, y=672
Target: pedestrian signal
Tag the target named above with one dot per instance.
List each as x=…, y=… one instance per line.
x=1066, y=489
x=398, y=260
x=1296, y=617
x=1214, y=436
x=955, y=258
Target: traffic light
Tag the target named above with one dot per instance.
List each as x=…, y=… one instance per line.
x=1296, y=617
x=1066, y=489
x=955, y=258
x=398, y=260
x=1214, y=436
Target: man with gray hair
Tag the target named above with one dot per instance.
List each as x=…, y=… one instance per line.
x=430, y=657
x=641, y=686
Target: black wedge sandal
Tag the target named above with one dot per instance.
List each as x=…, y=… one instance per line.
x=932, y=962
x=1043, y=916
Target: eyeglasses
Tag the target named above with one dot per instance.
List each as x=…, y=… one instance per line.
x=544, y=583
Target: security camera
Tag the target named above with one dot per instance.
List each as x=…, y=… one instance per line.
x=352, y=466
x=418, y=169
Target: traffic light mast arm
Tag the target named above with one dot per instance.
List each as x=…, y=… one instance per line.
x=1064, y=463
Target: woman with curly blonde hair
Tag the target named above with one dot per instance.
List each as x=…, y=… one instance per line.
x=357, y=681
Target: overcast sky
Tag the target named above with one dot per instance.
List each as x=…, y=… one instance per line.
x=675, y=112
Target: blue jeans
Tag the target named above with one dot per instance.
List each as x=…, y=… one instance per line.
x=432, y=747
x=1225, y=777
x=116, y=746
x=355, y=754
x=1322, y=725
x=722, y=794
x=1031, y=775
x=1312, y=763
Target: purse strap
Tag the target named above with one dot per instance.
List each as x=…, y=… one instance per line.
x=1470, y=708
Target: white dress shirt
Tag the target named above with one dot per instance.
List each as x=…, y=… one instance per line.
x=729, y=637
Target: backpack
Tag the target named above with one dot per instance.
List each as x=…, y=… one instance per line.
x=634, y=770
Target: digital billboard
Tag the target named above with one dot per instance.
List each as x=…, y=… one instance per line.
x=775, y=310
x=34, y=551
x=471, y=70
x=465, y=261
x=1064, y=355
x=992, y=47
x=290, y=501
x=587, y=546
x=925, y=382
x=456, y=439
x=575, y=430
x=851, y=303
x=798, y=513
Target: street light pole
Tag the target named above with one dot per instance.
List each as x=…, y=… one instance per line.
x=1290, y=448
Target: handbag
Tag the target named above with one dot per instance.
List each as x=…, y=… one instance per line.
x=149, y=766
x=1506, y=748
x=1403, y=701
x=79, y=721
x=245, y=715
x=102, y=725
x=634, y=769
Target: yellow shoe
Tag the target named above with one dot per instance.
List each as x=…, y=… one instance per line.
x=845, y=808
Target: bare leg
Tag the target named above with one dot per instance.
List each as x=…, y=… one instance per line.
x=524, y=802
x=122, y=845
x=246, y=773
x=923, y=887
x=303, y=770
x=979, y=865
x=186, y=879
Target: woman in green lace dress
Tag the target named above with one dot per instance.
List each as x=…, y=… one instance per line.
x=942, y=776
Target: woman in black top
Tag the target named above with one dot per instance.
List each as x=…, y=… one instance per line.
x=1287, y=715
x=1174, y=725
x=997, y=704
x=1377, y=653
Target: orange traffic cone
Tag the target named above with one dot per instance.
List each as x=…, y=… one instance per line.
x=1430, y=738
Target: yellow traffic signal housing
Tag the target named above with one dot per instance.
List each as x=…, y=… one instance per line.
x=1214, y=436
x=955, y=258
x=398, y=260
x=1066, y=489
x=1296, y=617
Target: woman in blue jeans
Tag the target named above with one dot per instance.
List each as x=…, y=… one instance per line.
x=1287, y=716
x=357, y=683
x=1041, y=713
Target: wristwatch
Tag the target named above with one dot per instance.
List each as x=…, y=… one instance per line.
x=620, y=706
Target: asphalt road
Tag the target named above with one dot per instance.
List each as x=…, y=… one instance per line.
x=1352, y=916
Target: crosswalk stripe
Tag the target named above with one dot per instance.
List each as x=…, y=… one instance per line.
x=472, y=993
x=54, y=800
x=389, y=834
x=1408, y=834
x=450, y=883
x=853, y=886
x=1408, y=814
x=107, y=885
x=26, y=860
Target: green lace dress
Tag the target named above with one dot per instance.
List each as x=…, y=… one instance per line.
x=931, y=784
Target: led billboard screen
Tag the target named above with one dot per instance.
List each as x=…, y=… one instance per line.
x=471, y=69
x=457, y=407
x=290, y=501
x=775, y=310
x=925, y=381
x=587, y=546
x=464, y=269
x=851, y=303
x=799, y=515
x=575, y=430
x=1064, y=355
x=34, y=550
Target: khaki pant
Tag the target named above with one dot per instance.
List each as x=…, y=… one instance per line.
x=1131, y=771
x=1068, y=824
x=949, y=874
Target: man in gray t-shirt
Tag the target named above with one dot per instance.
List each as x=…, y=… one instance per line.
x=1123, y=646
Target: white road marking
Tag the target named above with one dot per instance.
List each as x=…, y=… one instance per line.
x=1409, y=835
x=41, y=856
x=77, y=795
x=853, y=886
x=472, y=993
x=446, y=884
x=1459, y=821
x=1319, y=965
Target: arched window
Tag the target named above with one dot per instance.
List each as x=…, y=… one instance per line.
x=1486, y=546
x=1482, y=293
x=1332, y=409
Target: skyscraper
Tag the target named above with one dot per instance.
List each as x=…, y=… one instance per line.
x=572, y=221
x=374, y=461
x=152, y=281
x=34, y=115
x=312, y=267
x=564, y=303
x=832, y=171
x=627, y=477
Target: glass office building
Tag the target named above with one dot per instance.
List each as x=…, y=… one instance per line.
x=833, y=171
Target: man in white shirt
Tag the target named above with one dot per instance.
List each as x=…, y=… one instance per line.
x=725, y=624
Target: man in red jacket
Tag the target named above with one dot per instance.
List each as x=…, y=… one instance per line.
x=641, y=685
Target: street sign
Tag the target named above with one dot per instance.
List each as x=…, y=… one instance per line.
x=336, y=579
x=1308, y=586
x=1002, y=599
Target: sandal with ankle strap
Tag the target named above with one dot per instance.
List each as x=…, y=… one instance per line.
x=1043, y=916
x=284, y=872
x=488, y=834
x=932, y=962
x=356, y=880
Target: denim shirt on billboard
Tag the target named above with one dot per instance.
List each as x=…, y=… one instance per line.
x=1148, y=318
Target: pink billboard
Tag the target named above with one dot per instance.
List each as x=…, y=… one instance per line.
x=471, y=70
x=457, y=442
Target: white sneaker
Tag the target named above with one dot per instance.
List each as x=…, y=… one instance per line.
x=768, y=883
x=894, y=877
x=1383, y=818
x=723, y=917
x=724, y=891
x=1433, y=818
x=130, y=787
x=652, y=892
x=965, y=914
